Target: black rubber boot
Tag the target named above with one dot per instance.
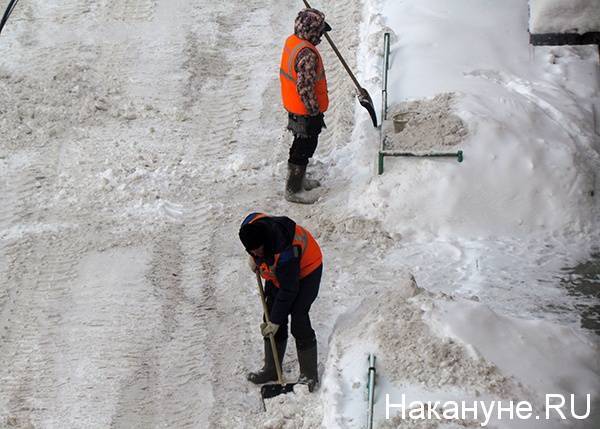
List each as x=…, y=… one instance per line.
x=293, y=187
x=268, y=372
x=309, y=373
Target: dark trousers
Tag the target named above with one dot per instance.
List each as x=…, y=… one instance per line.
x=302, y=149
x=306, y=130
x=301, y=327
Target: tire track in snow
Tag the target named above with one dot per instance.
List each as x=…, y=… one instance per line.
x=243, y=409
x=217, y=88
x=168, y=350
x=34, y=382
x=166, y=388
x=131, y=10
x=220, y=104
x=180, y=391
x=27, y=184
x=32, y=338
x=72, y=12
x=40, y=255
x=18, y=187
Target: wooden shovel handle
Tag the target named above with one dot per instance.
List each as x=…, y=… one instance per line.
x=271, y=336
x=339, y=55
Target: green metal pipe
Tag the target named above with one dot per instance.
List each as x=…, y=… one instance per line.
x=384, y=108
x=458, y=155
x=371, y=390
x=386, y=67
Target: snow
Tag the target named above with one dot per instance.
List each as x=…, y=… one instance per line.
x=522, y=151
x=521, y=347
x=564, y=16
x=440, y=348
x=133, y=147
x=524, y=186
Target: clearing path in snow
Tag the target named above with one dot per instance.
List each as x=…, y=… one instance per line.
x=138, y=135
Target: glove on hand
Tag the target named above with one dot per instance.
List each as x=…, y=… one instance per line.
x=269, y=328
x=252, y=264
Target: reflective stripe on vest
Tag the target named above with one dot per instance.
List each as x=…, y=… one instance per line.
x=311, y=256
x=288, y=77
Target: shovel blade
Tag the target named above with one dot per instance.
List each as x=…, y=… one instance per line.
x=366, y=101
x=271, y=390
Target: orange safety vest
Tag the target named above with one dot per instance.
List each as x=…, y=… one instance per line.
x=310, y=254
x=288, y=76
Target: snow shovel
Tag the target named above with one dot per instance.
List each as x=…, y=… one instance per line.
x=363, y=96
x=270, y=390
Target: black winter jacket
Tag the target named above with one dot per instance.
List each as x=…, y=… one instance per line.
x=280, y=235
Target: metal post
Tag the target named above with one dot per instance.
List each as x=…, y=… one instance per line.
x=458, y=155
x=384, y=98
x=386, y=67
x=371, y=387
x=382, y=153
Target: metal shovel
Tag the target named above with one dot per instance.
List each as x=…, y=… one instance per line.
x=270, y=390
x=363, y=96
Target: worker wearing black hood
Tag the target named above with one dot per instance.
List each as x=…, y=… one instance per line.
x=290, y=260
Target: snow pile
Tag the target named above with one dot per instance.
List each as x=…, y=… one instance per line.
x=409, y=355
x=525, y=196
x=531, y=156
x=435, y=347
x=544, y=356
x=564, y=16
x=297, y=410
x=429, y=124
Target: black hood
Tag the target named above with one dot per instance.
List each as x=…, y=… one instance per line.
x=280, y=233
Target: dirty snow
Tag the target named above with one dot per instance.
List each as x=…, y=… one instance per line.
x=423, y=125
x=564, y=16
x=138, y=134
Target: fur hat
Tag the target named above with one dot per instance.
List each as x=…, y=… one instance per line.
x=310, y=25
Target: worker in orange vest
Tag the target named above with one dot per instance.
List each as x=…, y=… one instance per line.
x=304, y=96
x=290, y=260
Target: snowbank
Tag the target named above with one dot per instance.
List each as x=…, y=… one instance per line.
x=529, y=177
x=564, y=16
x=438, y=348
x=544, y=357
x=531, y=157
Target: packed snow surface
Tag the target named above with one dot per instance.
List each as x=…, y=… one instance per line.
x=564, y=16
x=136, y=135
